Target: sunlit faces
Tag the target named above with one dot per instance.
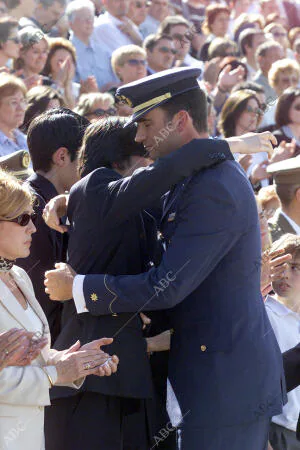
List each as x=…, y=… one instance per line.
x=11, y=47
x=117, y=8
x=12, y=110
x=35, y=57
x=285, y=79
x=289, y=287
x=219, y=27
x=57, y=59
x=157, y=133
x=162, y=56
x=182, y=38
x=83, y=22
x=272, y=54
x=133, y=69
x=138, y=10
x=52, y=15
x=280, y=35
x=15, y=240
x=250, y=118
x=159, y=9
x=294, y=112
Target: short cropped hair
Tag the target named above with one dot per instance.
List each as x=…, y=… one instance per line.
x=284, y=104
x=121, y=55
x=194, y=102
x=246, y=38
x=77, y=5
x=153, y=39
x=6, y=25
x=282, y=65
x=263, y=48
x=219, y=46
x=286, y=193
x=50, y=131
x=107, y=142
x=171, y=21
x=250, y=85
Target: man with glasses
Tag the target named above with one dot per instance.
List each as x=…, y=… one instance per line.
x=161, y=52
x=138, y=10
x=180, y=30
x=45, y=16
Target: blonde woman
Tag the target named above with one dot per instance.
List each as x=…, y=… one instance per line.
x=24, y=390
x=95, y=105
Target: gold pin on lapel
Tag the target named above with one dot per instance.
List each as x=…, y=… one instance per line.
x=94, y=297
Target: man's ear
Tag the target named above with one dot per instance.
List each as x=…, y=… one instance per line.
x=297, y=195
x=180, y=120
x=61, y=157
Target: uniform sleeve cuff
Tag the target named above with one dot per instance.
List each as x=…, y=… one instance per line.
x=78, y=294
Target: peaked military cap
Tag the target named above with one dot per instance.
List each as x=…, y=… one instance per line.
x=286, y=172
x=154, y=90
x=17, y=163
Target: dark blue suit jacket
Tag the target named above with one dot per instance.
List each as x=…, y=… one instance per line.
x=225, y=365
x=108, y=233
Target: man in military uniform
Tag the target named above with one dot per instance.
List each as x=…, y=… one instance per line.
x=225, y=369
x=287, y=180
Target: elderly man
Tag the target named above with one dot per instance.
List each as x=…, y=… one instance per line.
x=158, y=11
x=45, y=15
x=92, y=60
x=114, y=29
x=160, y=52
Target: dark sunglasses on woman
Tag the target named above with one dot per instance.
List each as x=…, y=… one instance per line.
x=102, y=112
x=23, y=219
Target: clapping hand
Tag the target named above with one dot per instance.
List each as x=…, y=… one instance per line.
x=272, y=269
x=229, y=78
x=284, y=151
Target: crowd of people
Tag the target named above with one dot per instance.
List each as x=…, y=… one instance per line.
x=112, y=100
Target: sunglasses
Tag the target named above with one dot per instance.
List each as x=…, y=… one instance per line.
x=23, y=219
x=102, y=112
x=183, y=37
x=136, y=62
x=15, y=39
x=277, y=34
x=257, y=111
x=167, y=50
x=142, y=5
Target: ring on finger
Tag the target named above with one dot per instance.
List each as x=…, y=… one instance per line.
x=87, y=366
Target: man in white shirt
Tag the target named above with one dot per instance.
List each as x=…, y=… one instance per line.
x=287, y=179
x=92, y=60
x=113, y=29
x=283, y=311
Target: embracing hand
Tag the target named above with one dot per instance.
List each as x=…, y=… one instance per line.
x=253, y=143
x=272, y=268
x=59, y=282
x=54, y=210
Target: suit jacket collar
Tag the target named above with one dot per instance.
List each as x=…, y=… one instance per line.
x=42, y=186
x=14, y=308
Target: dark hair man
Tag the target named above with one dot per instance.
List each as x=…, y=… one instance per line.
x=210, y=227
x=54, y=139
x=109, y=233
x=161, y=52
x=249, y=40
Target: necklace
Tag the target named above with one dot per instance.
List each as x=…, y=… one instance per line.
x=5, y=264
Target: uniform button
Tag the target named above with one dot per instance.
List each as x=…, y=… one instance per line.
x=203, y=348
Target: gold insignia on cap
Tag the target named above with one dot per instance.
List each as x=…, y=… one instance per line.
x=26, y=160
x=125, y=100
x=94, y=297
